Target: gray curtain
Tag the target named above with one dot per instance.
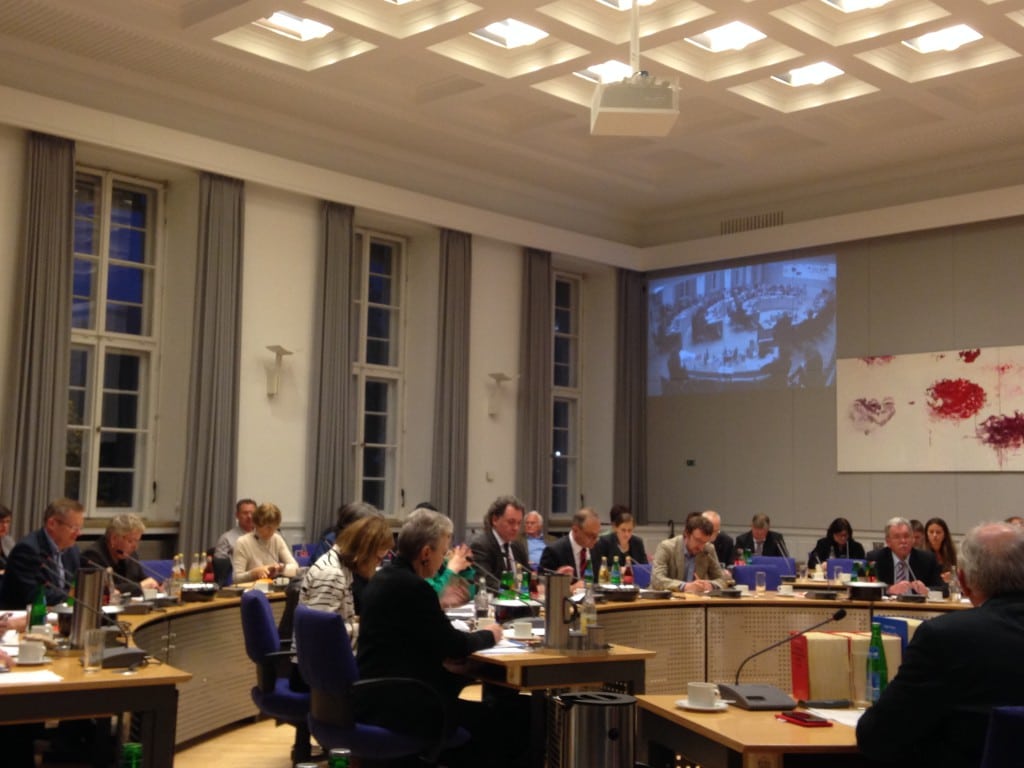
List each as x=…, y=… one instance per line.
x=33, y=449
x=333, y=427
x=211, y=459
x=533, y=432
x=630, y=460
x=451, y=407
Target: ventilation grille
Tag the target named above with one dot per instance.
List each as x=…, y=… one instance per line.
x=747, y=223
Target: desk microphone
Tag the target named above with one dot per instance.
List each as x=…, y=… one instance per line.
x=783, y=549
x=114, y=657
x=755, y=696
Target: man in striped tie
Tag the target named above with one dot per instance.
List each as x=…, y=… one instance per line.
x=902, y=567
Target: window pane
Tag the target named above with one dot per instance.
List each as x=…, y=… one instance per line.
x=121, y=371
x=76, y=407
x=87, y=236
x=128, y=244
x=126, y=284
x=72, y=484
x=559, y=501
x=559, y=471
x=375, y=428
x=79, y=366
x=380, y=289
x=560, y=442
x=374, y=461
x=124, y=318
x=381, y=258
x=117, y=450
x=83, y=292
x=74, y=451
x=563, y=293
x=128, y=207
x=563, y=321
x=373, y=493
x=378, y=323
x=376, y=396
x=120, y=410
x=561, y=414
x=115, y=489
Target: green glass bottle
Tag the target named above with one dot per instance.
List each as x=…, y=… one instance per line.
x=878, y=670
x=131, y=755
x=37, y=613
x=616, y=572
x=339, y=758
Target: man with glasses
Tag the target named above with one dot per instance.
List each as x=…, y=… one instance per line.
x=573, y=554
x=901, y=566
x=689, y=563
x=46, y=557
x=116, y=551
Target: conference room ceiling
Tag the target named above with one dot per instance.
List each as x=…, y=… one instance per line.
x=405, y=95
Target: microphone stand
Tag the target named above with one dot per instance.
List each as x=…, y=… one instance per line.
x=758, y=696
x=158, y=578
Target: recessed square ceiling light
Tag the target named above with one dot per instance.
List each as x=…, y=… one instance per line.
x=734, y=36
x=611, y=71
x=852, y=6
x=624, y=5
x=510, y=34
x=294, y=27
x=812, y=74
x=948, y=39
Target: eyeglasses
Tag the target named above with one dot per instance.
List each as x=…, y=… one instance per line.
x=69, y=526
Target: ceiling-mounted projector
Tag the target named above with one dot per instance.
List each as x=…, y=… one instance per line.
x=636, y=106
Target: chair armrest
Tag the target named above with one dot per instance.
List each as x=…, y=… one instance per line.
x=274, y=665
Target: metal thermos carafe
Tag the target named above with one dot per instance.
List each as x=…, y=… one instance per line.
x=88, y=604
x=559, y=610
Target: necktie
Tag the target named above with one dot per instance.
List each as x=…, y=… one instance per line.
x=758, y=547
x=901, y=571
x=583, y=564
x=509, y=564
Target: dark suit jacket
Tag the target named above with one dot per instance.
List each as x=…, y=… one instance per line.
x=404, y=633
x=774, y=544
x=923, y=564
x=131, y=573
x=608, y=546
x=959, y=665
x=488, y=554
x=31, y=564
x=725, y=548
x=558, y=554
x=826, y=549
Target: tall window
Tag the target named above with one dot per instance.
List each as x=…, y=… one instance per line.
x=378, y=369
x=114, y=342
x=566, y=397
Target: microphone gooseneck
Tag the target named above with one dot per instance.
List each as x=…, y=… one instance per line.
x=837, y=616
x=159, y=578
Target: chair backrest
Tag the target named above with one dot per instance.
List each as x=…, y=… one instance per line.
x=258, y=627
x=845, y=564
x=747, y=574
x=1004, y=741
x=158, y=568
x=642, y=575
x=223, y=570
x=324, y=651
x=786, y=566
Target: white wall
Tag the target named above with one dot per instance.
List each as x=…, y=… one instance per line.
x=282, y=240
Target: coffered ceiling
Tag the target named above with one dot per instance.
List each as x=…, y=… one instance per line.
x=406, y=95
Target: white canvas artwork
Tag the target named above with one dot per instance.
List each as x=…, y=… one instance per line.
x=953, y=411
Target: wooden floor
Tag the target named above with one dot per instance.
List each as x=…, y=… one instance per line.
x=257, y=745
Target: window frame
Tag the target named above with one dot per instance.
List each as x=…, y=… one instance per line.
x=100, y=342
x=571, y=395
x=392, y=374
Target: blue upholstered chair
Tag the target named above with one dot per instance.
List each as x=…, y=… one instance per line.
x=786, y=566
x=747, y=574
x=328, y=666
x=642, y=575
x=1004, y=742
x=273, y=693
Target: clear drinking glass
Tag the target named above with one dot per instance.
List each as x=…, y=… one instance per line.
x=92, y=651
x=760, y=583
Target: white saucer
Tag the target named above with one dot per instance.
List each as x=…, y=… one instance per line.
x=683, y=703
x=44, y=660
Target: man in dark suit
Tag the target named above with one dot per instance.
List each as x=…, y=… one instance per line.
x=495, y=549
x=958, y=665
x=901, y=566
x=567, y=554
x=761, y=540
x=45, y=557
x=723, y=543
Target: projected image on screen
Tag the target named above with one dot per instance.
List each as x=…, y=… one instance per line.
x=769, y=325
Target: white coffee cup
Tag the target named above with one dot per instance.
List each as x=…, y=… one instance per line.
x=523, y=630
x=31, y=651
x=845, y=577
x=785, y=589
x=149, y=593
x=935, y=596
x=742, y=587
x=42, y=630
x=702, y=694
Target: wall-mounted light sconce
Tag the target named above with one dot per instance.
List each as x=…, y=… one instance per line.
x=492, y=398
x=274, y=371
